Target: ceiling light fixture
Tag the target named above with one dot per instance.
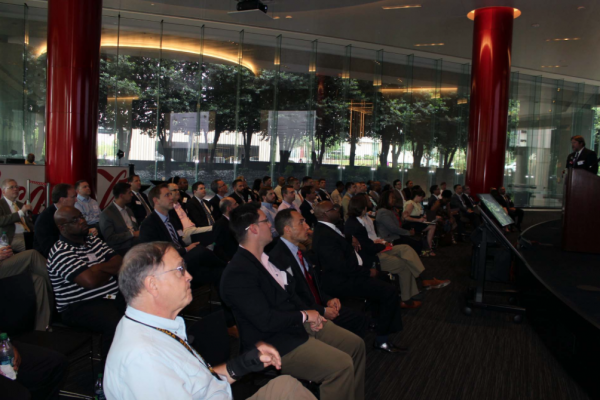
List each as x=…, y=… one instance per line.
x=402, y=7
x=428, y=44
x=535, y=25
x=554, y=66
x=580, y=8
x=561, y=39
x=516, y=14
x=288, y=17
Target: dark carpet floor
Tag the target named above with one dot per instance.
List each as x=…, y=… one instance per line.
x=452, y=356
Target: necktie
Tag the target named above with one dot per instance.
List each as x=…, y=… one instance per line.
x=25, y=227
x=173, y=234
x=211, y=221
x=309, y=279
x=146, y=206
x=576, y=157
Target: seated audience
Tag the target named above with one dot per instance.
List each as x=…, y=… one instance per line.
x=435, y=196
x=307, y=206
x=389, y=224
x=458, y=202
x=220, y=189
x=445, y=215
x=277, y=190
x=118, y=225
x=344, y=273
x=239, y=192
x=40, y=373
x=199, y=210
x=15, y=218
x=412, y=218
x=46, y=232
x=268, y=198
x=89, y=207
x=267, y=309
x=375, y=190
x=337, y=194
x=140, y=205
x=287, y=254
x=295, y=184
x=515, y=213
x=225, y=242
x=350, y=191
x=184, y=224
x=184, y=197
x=399, y=198
x=289, y=195
x=145, y=362
x=82, y=270
x=469, y=201
x=321, y=192
x=407, y=191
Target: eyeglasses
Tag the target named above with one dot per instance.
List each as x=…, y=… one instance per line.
x=257, y=222
x=74, y=220
x=181, y=270
x=335, y=207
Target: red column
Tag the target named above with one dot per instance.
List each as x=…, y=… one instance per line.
x=490, y=78
x=72, y=90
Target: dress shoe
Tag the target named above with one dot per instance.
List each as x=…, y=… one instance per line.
x=435, y=283
x=233, y=332
x=412, y=304
x=390, y=348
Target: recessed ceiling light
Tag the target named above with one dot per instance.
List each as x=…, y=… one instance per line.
x=428, y=44
x=288, y=17
x=401, y=7
x=580, y=8
x=275, y=17
x=561, y=39
x=535, y=25
x=554, y=66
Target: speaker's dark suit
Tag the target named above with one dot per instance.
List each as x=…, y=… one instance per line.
x=139, y=211
x=587, y=160
x=308, y=213
x=226, y=245
x=282, y=257
x=196, y=212
x=342, y=276
x=216, y=211
x=46, y=232
x=202, y=264
x=264, y=311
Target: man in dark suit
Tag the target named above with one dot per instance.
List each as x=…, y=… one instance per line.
x=398, y=195
x=14, y=216
x=199, y=210
x=344, y=274
x=239, y=194
x=118, y=225
x=435, y=196
x=307, y=206
x=46, y=232
x=225, y=242
x=457, y=202
x=184, y=197
x=140, y=205
x=286, y=255
x=219, y=188
x=266, y=307
x=582, y=158
x=517, y=214
x=322, y=194
x=407, y=191
x=469, y=201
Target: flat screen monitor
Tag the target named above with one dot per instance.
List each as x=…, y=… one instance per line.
x=495, y=209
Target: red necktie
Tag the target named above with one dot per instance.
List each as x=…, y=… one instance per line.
x=309, y=279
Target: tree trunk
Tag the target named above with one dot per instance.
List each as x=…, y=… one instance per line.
x=284, y=157
x=417, y=154
x=211, y=159
x=167, y=157
x=396, y=150
x=247, y=148
x=321, y=154
x=353, y=139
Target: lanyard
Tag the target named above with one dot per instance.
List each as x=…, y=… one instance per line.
x=184, y=343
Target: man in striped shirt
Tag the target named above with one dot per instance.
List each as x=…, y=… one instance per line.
x=82, y=269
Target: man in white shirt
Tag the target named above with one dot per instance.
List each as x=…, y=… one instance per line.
x=268, y=198
x=295, y=183
x=151, y=358
x=280, y=184
x=289, y=195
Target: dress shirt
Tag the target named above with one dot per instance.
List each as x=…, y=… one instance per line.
x=125, y=216
x=144, y=363
x=185, y=220
x=401, y=194
x=298, y=199
x=277, y=191
x=284, y=205
x=369, y=226
x=270, y=212
x=18, y=226
x=89, y=208
x=336, y=197
x=277, y=274
x=294, y=249
x=332, y=226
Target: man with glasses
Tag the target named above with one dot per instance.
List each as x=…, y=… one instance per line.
x=15, y=219
x=82, y=270
x=151, y=357
x=46, y=232
x=220, y=189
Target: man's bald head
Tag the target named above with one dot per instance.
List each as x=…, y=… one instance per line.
x=71, y=223
x=325, y=211
x=65, y=214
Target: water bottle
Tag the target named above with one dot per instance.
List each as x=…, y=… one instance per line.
x=98, y=388
x=3, y=240
x=7, y=357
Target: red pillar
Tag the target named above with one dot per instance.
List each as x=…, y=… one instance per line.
x=72, y=90
x=490, y=79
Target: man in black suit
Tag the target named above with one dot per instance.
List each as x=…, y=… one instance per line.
x=322, y=194
x=517, y=214
x=582, y=158
x=46, y=232
x=307, y=206
x=407, y=191
x=469, y=201
x=220, y=189
x=199, y=210
x=140, y=205
x=184, y=197
x=118, y=225
x=225, y=242
x=239, y=194
x=458, y=202
x=266, y=307
x=344, y=274
x=286, y=255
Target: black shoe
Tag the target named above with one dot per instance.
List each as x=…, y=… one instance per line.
x=390, y=348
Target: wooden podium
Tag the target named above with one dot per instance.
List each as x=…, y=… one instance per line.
x=581, y=212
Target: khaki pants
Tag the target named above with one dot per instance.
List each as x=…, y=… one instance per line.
x=18, y=243
x=405, y=262
x=333, y=357
x=283, y=388
x=33, y=262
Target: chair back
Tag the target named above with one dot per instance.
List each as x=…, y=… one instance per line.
x=210, y=338
x=17, y=304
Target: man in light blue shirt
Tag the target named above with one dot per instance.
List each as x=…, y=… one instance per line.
x=88, y=206
x=268, y=198
x=150, y=357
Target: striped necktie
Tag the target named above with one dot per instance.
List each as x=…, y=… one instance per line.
x=173, y=234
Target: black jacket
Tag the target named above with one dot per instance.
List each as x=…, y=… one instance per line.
x=335, y=257
x=368, y=248
x=226, y=245
x=214, y=202
x=322, y=195
x=196, y=211
x=587, y=160
x=282, y=258
x=139, y=211
x=308, y=213
x=46, y=232
x=238, y=199
x=154, y=230
x=263, y=310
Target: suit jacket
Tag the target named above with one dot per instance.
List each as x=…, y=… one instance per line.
x=388, y=226
x=226, y=245
x=263, y=310
x=114, y=229
x=368, y=248
x=456, y=202
x=407, y=193
x=282, y=258
x=308, y=213
x=9, y=218
x=154, y=230
x=336, y=259
x=139, y=211
x=216, y=211
x=587, y=160
x=46, y=231
x=469, y=202
x=322, y=195
x=398, y=201
x=238, y=199
x=196, y=212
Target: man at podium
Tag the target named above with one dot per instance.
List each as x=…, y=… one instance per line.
x=582, y=158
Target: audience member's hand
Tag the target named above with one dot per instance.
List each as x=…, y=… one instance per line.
x=93, y=232
x=313, y=316
x=380, y=241
x=355, y=244
x=469, y=210
x=331, y=313
x=422, y=219
x=335, y=303
x=373, y=272
x=17, y=359
x=26, y=207
x=5, y=252
x=269, y=355
x=136, y=233
x=317, y=326
x=191, y=246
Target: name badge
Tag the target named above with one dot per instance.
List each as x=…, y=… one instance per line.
x=92, y=257
x=185, y=199
x=139, y=203
x=580, y=162
x=110, y=297
x=312, y=211
x=180, y=233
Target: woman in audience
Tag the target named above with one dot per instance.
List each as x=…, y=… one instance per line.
x=413, y=218
x=445, y=219
x=256, y=186
x=389, y=224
